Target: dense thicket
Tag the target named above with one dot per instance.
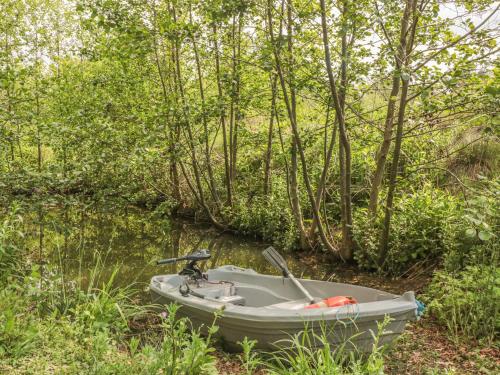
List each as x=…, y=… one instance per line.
x=350, y=126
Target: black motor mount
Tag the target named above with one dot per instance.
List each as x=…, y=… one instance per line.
x=191, y=269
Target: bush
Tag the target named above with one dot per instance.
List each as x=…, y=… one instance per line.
x=422, y=229
x=467, y=303
x=10, y=238
x=267, y=217
x=465, y=295
x=475, y=242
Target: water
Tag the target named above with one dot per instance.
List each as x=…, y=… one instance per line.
x=73, y=237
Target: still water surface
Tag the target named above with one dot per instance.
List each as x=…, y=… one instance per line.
x=74, y=237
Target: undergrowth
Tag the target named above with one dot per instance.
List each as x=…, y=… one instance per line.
x=52, y=325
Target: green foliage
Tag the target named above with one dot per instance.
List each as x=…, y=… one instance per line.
x=268, y=217
x=476, y=240
x=183, y=350
x=312, y=353
x=464, y=296
x=87, y=338
x=11, y=254
x=18, y=330
x=467, y=302
x=103, y=309
x=250, y=359
x=422, y=229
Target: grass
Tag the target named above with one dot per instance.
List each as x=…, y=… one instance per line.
x=311, y=353
x=49, y=325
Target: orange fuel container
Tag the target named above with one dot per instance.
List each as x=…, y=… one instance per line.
x=333, y=302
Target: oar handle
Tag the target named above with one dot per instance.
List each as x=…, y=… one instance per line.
x=301, y=287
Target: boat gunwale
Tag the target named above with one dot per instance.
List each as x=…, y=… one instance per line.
x=365, y=311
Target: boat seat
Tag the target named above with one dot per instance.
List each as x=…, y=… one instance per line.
x=297, y=304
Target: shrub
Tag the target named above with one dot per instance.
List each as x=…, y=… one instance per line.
x=267, y=217
x=465, y=295
x=475, y=242
x=422, y=229
x=10, y=238
x=467, y=303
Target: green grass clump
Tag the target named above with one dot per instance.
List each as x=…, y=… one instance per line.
x=93, y=336
x=467, y=303
x=312, y=353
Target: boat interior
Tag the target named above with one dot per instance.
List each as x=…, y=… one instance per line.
x=245, y=287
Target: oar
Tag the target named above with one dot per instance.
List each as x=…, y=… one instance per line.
x=277, y=261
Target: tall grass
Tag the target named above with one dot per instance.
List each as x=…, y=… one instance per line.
x=49, y=324
x=183, y=350
x=11, y=251
x=311, y=353
x=467, y=303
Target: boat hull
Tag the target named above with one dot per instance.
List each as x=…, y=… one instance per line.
x=356, y=327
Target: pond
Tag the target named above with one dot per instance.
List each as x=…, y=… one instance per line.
x=82, y=238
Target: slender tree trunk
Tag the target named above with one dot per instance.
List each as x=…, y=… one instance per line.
x=187, y=122
x=294, y=183
x=38, y=132
x=37, y=106
x=237, y=110
x=269, y=150
x=227, y=166
x=284, y=153
x=232, y=96
x=347, y=241
x=384, y=239
x=408, y=47
x=293, y=122
x=175, y=136
x=9, y=112
x=234, y=111
x=324, y=173
x=208, y=159
x=345, y=147
x=9, y=108
x=173, y=171
x=389, y=119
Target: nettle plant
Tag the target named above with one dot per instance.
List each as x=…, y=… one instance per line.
x=476, y=242
x=479, y=215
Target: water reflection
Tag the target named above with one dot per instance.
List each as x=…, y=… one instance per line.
x=76, y=237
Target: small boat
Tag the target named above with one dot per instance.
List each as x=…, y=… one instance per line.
x=271, y=309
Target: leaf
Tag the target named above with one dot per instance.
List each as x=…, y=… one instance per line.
x=471, y=232
x=485, y=236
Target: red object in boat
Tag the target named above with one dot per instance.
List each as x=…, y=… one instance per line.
x=333, y=302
